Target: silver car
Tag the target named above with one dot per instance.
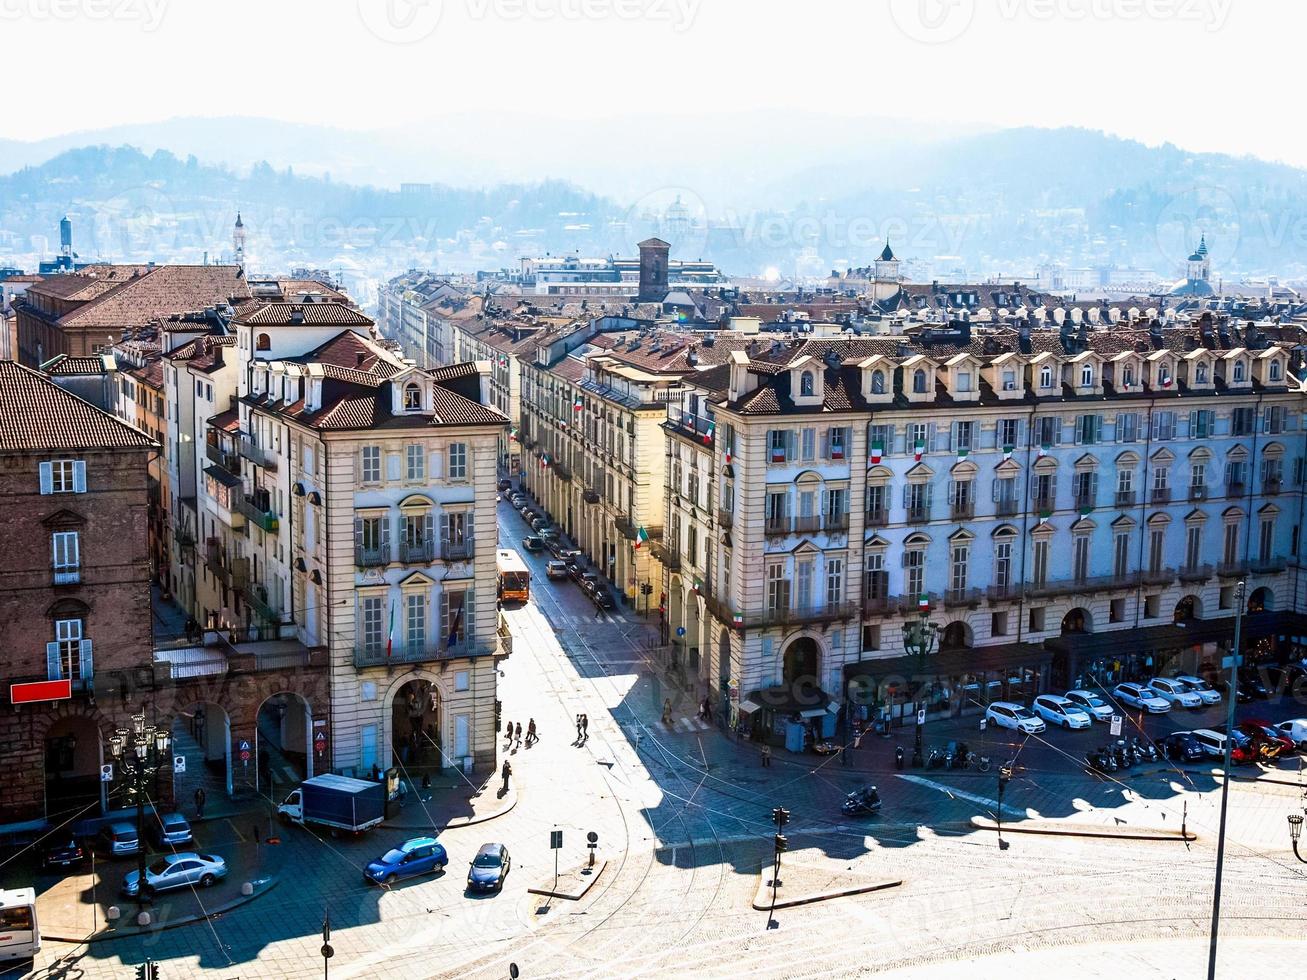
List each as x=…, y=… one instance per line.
x=177, y=871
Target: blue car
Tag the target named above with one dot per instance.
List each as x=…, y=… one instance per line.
x=489, y=868
x=418, y=856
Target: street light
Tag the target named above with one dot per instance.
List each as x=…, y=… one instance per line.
x=1004, y=776
x=919, y=640
x=140, y=752
x=1295, y=832
x=1225, y=776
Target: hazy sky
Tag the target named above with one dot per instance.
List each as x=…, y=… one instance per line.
x=1206, y=74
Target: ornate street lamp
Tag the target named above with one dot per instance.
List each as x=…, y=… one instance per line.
x=1295, y=833
x=139, y=753
x=1004, y=777
x=919, y=640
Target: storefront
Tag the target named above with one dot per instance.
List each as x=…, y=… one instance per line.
x=795, y=717
x=951, y=684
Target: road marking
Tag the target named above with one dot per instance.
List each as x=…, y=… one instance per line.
x=960, y=794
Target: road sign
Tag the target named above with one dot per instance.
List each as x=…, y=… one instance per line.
x=1116, y=725
x=179, y=763
x=555, y=839
x=1228, y=662
x=244, y=749
x=319, y=741
x=921, y=716
x=592, y=838
x=106, y=774
x=984, y=723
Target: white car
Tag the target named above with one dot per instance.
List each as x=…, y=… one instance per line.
x=1006, y=714
x=1209, y=694
x=1057, y=710
x=1176, y=691
x=1091, y=704
x=1141, y=696
x=1296, y=729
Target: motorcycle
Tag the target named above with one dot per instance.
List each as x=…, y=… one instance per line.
x=981, y=762
x=1122, y=755
x=861, y=802
x=961, y=756
x=1147, y=751
x=1098, y=761
x=935, y=760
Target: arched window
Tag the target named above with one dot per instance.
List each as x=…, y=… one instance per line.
x=1238, y=372
x=1128, y=376
x=1200, y=374
x=263, y=342
x=919, y=381
x=412, y=397
x=1086, y=376
x=805, y=384
x=878, y=382
x=1046, y=377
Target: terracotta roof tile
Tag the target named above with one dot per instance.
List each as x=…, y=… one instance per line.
x=159, y=292
x=39, y=415
x=306, y=314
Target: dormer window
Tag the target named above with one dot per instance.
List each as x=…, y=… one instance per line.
x=1046, y=376
x=878, y=382
x=1239, y=372
x=263, y=342
x=1273, y=371
x=806, y=384
x=919, y=382
x=1127, y=377
x=412, y=397
x=1009, y=380
x=1164, y=375
x=1200, y=374
x=1086, y=376
x=964, y=381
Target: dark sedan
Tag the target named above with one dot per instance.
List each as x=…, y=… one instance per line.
x=489, y=869
x=1180, y=747
x=62, y=852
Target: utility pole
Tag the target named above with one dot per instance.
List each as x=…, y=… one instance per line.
x=1225, y=781
x=780, y=817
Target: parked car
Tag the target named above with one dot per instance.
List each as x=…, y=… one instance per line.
x=1213, y=743
x=418, y=856
x=1060, y=711
x=518, y=500
x=549, y=536
x=1175, y=691
x=1248, y=686
x=177, y=871
x=568, y=554
x=61, y=851
x=1296, y=729
x=527, y=513
x=1180, y=747
x=1141, y=696
x=1209, y=694
x=489, y=869
x=590, y=581
x=532, y=543
x=1270, y=742
x=117, y=839
x=1092, y=704
x=539, y=524
x=576, y=568
x=603, y=598
x=171, y=830
x=505, y=485
x=1007, y=714
x=555, y=569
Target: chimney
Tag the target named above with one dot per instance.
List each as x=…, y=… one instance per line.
x=1023, y=336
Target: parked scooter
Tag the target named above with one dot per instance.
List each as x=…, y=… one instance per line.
x=863, y=802
x=1099, y=761
x=935, y=760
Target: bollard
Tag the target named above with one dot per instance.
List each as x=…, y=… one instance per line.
x=112, y=913
x=143, y=919
x=247, y=889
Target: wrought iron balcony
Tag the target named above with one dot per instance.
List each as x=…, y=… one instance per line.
x=1235, y=488
x=954, y=598
x=878, y=605
x=725, y=519
x=562, y=471
x=794, y=615
x=1082, y=585
x=366, y=557
x=375, y=655
x=67, y=575
x=877, y=518
x=1084, y=501
x=918, y=515
x=963, y=512
x=1008, y=592
x=231, y=462
x=1232, y=569
x=590, y=496
x=1158, y=576
x=1046, y=505
x=1268, y=566
x=184, y=535
x=778, y=526
x=837, y=522
x=1271, y=486
x=257, y=455
x=256, y=595
x=265, y=519
x=624, y=527
x=1125, y=498
x=456, y=550
x=1161, y=495
x=417, y=552
x=1196, y=573
x=1006, y=507
x=1197, y=493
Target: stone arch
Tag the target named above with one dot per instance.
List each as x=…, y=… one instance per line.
x=283, y=741
x=1261, y=600
x=412, y=716
x=1077, y=620
x=1188, y=609
x=956, y=635
x=202, y=733
x=801, y=663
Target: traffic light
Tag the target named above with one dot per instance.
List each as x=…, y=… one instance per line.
x=147, y=971
x=780, y=817
x=782, y=843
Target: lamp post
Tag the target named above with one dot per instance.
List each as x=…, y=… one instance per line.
x=1225, y=780
x=140, y=752
x=1004, y=776
x=1295, y=833
x=919, y=640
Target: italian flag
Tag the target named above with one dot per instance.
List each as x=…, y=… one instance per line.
x=728, y=454
x=641, y=536
x=877, y=450
x=1043, y=450
x=390, y=630
x=544, y=460
x=577, y=404
x=698, y=584
x=923, y=602
x=737, y=619
x=1007, y=452
x=918, y=449
x=962, y=453
x=708, y=436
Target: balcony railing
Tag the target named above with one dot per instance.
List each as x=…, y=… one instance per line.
x=1161, y=495
x=1197, y=493
x=365, y=557
x=1084, y=501
x=954, y=598
x=793, y=615
x=256, y=594
x=1007, y=592
x=265, y=519
x=184, y=536
x=417, y=552
x=837, y=522
x=878, y=605
x=624, y=527
x=456, y=550
x=1046, y=505
x=67, y=575
x=670, y=558
x=877, y=518
x=1196, y=573
x=776, y=526
x=258, y=455
x=1268, y=566
x=806, y=525
x=231, y=462
x=1235, y=489
x=375, y=656
x=562, y=471
x=963, y=512
x=1125, y=498
x=1271, y=486
x=1006, y=507
x=1081, y=585
x=1158, y=576
x=1232, y=569
x=590, y=496
x=918, y=515
x=725, y=519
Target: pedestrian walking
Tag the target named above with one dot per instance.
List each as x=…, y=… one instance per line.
x=531, y=732
x=508, y=730
x=517, y=732
x=199, y=803
x=506, y=772
x=578, y=728
x=585, y=726
x=766, y=756
x=667, y=711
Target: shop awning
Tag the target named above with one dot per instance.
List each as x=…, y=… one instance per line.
x=222, y=476
x=1166, y=637
x=808, y=701
x=950, y=663
x=748, y=707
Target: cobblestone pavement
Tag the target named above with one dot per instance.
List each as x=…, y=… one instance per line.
x=682, y=814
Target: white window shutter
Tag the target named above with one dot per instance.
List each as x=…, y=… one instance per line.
x=79, y=476
x=358, y=532
x=428, y=522
x=470, y=533
x=385, y=532
x=437, y=465
x=444, y=533
x=86, y=668
x=53, y=667
x=952, y=492
x=47, y=479
x=469, y=615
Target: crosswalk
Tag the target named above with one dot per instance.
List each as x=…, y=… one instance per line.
x=690, y=725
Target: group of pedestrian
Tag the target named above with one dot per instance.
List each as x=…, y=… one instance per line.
x=582, y=728
x=513, y=734
x=705, y=709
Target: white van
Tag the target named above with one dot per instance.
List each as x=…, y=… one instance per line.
x=20, y=936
